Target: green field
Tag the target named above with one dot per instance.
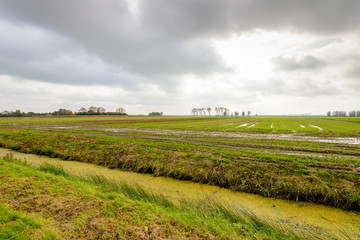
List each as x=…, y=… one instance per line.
x=313, y=126
x=298, y=158
x=308, y=159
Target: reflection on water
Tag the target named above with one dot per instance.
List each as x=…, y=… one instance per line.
x=316, y=218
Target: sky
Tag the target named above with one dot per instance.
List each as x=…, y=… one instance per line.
x=270, y=57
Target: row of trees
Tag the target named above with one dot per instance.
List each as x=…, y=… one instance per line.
x=61, y=112
x=100, y=111
x=156, y=114
x=243, y=113
x=18, y=113
x=343, y=114
x=219, y=111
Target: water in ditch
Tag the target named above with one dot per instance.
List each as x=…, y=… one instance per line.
x=322, y=220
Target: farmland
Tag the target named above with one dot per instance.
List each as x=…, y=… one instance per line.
x=296, y=158
x=309, y=159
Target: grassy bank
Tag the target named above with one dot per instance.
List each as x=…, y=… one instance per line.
x=217, y=161
x=46, y=202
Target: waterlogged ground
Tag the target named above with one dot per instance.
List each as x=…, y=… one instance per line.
x=294, y=136
x=298, y=158
x=324, y=222
x=330, y=126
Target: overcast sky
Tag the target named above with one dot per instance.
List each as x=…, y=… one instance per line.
x=267, y=56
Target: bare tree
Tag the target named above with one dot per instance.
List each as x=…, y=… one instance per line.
x=209, y=110
x=203, y=110
x=194, y=111
x=120, y=110
x=352, y=114
x=339, y=113
x=100, y=110
x=221, y=110
x=92, y=109
x=82, y=110
x=62, y=111
x=197, y=111
x=249, y=113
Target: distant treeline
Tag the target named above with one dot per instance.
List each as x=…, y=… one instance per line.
x=105, y=113
x=219, y=111
x=343, y=113
x=18, y=113
x=65, y=112
x=156, y=114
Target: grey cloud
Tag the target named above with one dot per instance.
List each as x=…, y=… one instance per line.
x=353, y=81
x=293, y=64
x=305, y=87
x=171, y=37
x=211, y=17
x=31, y=53
x=108, y=30
x=324, y=43
x=354, y=72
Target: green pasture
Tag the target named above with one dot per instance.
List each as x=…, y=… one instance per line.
x=323, y=126
x=247, y=154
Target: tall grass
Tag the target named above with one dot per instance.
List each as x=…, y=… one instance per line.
x=52, y=168
x=207, y=209
x=200, y=214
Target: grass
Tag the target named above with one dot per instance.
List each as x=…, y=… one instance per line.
x=205, y=149
x=17, y=225
x=49, y=203
x=254, y=124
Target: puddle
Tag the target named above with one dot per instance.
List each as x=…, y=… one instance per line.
x=323, y=220
x=243, y=125
x=316, y=127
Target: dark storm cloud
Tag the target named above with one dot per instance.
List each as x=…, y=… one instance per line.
x=293, y=64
